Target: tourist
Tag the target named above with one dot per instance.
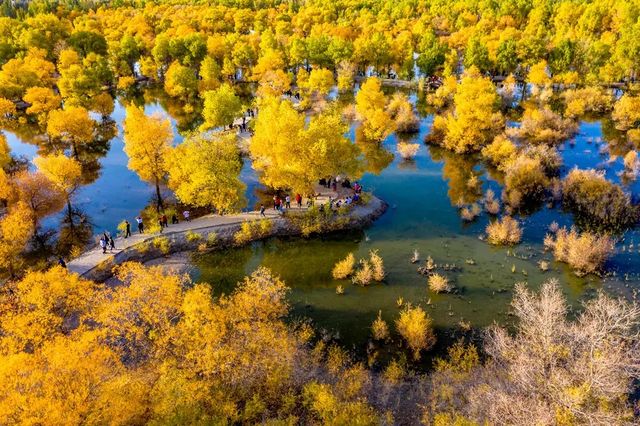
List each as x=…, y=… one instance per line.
x=299, y=200
x=161, y=224
x=262, y=210
x=112, y=244
x=106, y=236
x=287, y=201
x=140, y=225
x=127, y=229
x=164, y=221
x=61, y=262
x=186, y=215
x=103, y=244
x=275, y=202
x=174, y=219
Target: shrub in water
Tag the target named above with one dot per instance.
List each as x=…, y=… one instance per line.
x=525, y=180
x=585, y=252
x=379, y=328
x=377, y=265
x=505, y=231
x=491, y=205
x=500, y=152
x=364, y=275
x=344, y=267
x=439, y=284
x=597, y=203
x=407, y=150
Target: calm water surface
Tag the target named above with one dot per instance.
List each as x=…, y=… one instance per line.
x=422, y=195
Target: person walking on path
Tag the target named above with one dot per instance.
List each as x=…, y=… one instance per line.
x=127, y=229
x=275, y=202
x=112, y=244
x=61, y=262
x=106, y=236
x=287, y=202
x=161, y=224
x=140, y=225
x=174, y=219
x=103, y=244
x=186, y=215
x=262, y=210
x=299, y=200
x=164, y=220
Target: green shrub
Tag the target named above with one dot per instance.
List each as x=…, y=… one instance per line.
x=253, y=230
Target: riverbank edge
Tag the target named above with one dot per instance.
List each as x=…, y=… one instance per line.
x=218, y=237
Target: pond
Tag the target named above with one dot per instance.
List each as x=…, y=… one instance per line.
x=422, y=215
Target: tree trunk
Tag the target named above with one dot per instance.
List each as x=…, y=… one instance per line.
x=69, y=213
x=159, y=206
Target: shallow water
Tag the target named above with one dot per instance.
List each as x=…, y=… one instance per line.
x=421, y=216
x=422, y=195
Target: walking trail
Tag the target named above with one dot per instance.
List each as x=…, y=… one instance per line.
x=91, y=258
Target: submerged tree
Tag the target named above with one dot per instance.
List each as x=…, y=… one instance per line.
x=65, y=174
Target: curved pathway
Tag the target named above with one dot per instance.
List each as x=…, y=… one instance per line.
x=94, y=257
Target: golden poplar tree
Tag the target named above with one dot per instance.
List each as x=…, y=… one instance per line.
x=290, y=154
x=73, y=126
x=205, y=172
x=147, y=141
x=66, y=175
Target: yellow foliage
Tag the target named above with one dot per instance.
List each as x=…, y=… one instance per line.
x=476, y=118
x=205, y=171
x=16, y=228
x=344, y=268
x=415, y=327
x=64, y=172
x=379, y=328
x=147, y=143
x=42, y=100
x=505, y=231
x=290, y=154
x=71, y=125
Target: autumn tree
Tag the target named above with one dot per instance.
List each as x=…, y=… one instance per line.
x=221, y=107
x=147, y=142
x=370, y=105
x=415, y=327
x=290, y=154
x=40, y=194
x=16, y=228
x=205, y=172
x=73, y=126
x=180, y=81
x=64, y=173
x=476, y=117
x=41, y=100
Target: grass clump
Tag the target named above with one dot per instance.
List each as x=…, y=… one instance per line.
x=585, y=252
x=344, y=268
x=416, y=328
x=597, y=203
x=505, y=231
x=439, y=284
